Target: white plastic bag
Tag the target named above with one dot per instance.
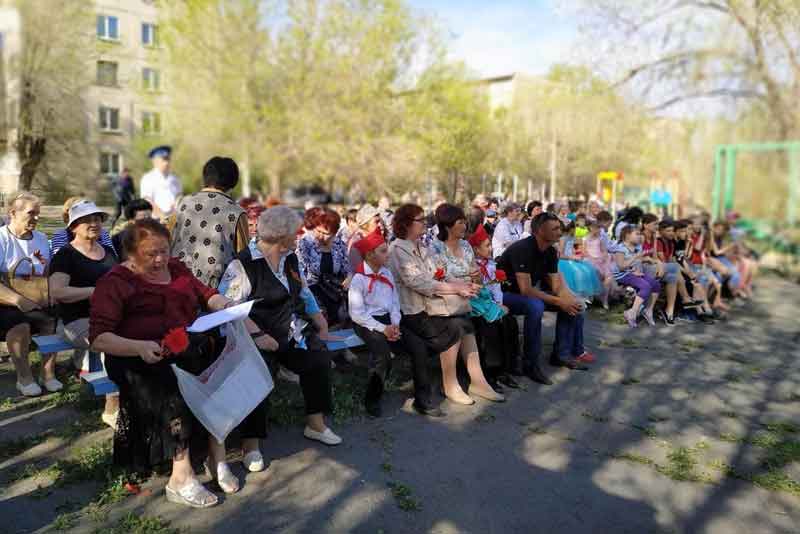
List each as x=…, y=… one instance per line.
x=225, y=393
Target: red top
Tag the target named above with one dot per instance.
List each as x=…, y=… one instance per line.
x=648, y=247
x=125, y=304
x=697, y=256
x=666, y=248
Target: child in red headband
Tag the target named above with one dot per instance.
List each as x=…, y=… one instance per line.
x=497, y=340
x=375, y=312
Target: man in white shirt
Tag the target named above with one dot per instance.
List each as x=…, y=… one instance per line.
x=508, y=230
x=159, y=186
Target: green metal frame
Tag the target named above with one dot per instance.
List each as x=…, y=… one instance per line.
x=726, y=156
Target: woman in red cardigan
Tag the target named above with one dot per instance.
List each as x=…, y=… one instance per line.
x=132, y=309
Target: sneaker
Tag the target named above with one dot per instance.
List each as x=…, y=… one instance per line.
x=288, y=376
x=327, y=437
x=253, y=461
x=586, y=357
x=52, y=385
x=630, y=318
x=29, y=390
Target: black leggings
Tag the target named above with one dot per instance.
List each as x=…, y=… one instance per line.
x=314, y=368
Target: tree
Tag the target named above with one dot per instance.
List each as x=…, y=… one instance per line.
x=676, y=51
x=51, y=74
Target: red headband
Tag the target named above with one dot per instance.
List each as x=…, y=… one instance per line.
x=370, y=242
x=479, y=236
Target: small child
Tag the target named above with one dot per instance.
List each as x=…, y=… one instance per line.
x=629, y=272
x=597, y=254
x=581, y=229
x=375, y=311
x=497, y=340
x=581, y=277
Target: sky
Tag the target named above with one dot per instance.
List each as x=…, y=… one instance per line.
x=496, y=37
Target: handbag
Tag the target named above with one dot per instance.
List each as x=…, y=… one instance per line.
x=231, y=387
x=31, y=286
x=447, y=305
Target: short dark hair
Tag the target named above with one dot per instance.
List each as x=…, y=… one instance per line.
x=141, y=230
x=404, y=218
x=551, y=208
x=474, y=219
x=633, y=215
x=135, y=206
x=446, y=215
x=538, y=221
x=626, y=230
x=220, y=173
x=663, y=225
x=648, y=218
x=680, y=225
x=531, y=205
x=604, y=216
x=351, y=215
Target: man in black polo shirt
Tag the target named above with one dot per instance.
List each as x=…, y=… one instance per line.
x=531, y=265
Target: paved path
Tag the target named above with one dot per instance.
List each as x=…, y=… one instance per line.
x=598, y=451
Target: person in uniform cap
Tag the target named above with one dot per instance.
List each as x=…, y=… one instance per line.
x=160, y=186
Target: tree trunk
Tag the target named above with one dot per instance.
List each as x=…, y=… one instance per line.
x=30, y=145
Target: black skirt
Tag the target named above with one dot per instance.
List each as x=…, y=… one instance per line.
x=438, y=333
x=154, y=421
x=42, y=321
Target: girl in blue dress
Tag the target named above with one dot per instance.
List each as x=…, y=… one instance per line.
x=581, y=277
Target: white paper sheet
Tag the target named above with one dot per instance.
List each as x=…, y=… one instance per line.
x=234, y=313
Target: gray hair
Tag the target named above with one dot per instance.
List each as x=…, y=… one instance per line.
x=511, y=206
x=20, y=199
x=278, y=223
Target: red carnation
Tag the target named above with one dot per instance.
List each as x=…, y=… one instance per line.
x=439, y=274
x=500, y=275
x=175, y=342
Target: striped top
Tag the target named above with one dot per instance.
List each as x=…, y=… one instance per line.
x=623, y=249
x=62, y=237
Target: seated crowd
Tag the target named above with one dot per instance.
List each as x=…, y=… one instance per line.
x=448, y=292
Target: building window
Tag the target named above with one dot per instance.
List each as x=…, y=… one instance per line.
x=107, y=27
x=149, y=34
x=151, y=79
x=107, y=73
x=151, y=123
x=109, y=119
x=109, y=162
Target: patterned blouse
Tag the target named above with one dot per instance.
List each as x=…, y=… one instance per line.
x=310, y=255
x=455, y=268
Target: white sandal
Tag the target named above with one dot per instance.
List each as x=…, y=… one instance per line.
x=224, y=477
x=253, y=461
x=192, y=494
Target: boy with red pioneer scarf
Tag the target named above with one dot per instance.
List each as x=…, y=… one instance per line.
x=375, y=312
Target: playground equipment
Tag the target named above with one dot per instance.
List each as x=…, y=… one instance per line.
x=726, y=157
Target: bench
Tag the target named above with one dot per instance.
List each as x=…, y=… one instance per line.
x=92, y=371
x=350, y=340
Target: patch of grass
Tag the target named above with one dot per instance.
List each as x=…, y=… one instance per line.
x=775, y=480
x=629, y=342
x=630, y=381
x=539, y=431
x=348, y=396
x=386, y=467
x=681, y=464
x=690, y=345
x=650, y=432
x=132, y=523
x=729, y=437
x=733, y=377
x=730, y=415
x=6, y=404
x=404, y=497
x=595, y=418
x=633, y=457
x=783, y=427
x=66, y=521
x=486, y=418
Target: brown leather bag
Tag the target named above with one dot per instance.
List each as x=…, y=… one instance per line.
x=31, y=286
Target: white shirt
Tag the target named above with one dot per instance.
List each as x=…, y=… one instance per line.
x=162, y=190
x=13, y=249
x=382, y=300
x=504, y=235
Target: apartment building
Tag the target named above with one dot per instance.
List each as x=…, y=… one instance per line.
x=126, y=98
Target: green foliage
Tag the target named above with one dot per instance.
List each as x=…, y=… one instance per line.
x=403, y=495
x=132, y=523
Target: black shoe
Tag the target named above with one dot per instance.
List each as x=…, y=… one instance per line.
x=536, y=374
x=430, y=411
x=669, y=321
x=508, y=381
x=372, y=399
x=495, y=385
x=569, y=364
x=706, y=318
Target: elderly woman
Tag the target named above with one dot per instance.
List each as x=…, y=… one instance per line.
x=426, y=324
x=323, y=261
x=454, y=255
x=63, y=236
x=508, y=230
x=210, y=228
x=74, y=273
x=132, y=309
x=279, y=322
x=25, y=249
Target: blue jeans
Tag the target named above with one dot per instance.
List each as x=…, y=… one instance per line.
x=569, y=329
